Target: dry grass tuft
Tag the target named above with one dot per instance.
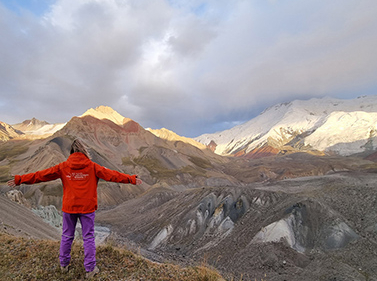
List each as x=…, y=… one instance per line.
x=27, y=259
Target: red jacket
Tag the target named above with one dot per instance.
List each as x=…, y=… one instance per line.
x=79, y=176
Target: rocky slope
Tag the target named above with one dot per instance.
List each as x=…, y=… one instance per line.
x=7, y=132
x=171, y=136
x=327, y=126
x=16, y=219
x=310, y=228
x=131, y=147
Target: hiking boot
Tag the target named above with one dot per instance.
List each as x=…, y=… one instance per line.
x=64, y=269
x=90, y=274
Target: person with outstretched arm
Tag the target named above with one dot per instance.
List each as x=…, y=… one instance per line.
x=79, y=176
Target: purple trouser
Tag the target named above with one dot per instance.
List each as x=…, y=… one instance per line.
x=69, y=227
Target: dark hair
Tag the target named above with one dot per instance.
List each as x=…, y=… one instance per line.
x=79, y=146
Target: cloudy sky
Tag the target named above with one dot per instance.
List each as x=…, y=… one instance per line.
x=190, y=66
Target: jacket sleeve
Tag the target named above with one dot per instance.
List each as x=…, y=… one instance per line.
x=114, y=176
x=49, y=174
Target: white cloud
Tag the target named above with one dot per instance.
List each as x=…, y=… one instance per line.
x=186, y=65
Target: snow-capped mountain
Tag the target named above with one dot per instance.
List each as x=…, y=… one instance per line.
x=30, y=125
x=35, y=128
x=328, y=125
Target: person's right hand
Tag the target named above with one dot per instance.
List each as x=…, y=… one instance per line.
x=11, y=183
x=138, y=181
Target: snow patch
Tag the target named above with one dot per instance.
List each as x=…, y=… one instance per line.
x=49, y=129
x=277, y=231
x=161, y=236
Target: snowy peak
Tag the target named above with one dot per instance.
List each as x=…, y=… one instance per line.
x=323, y=125
x=106, y=112
x=30, y=125
x=36, y=129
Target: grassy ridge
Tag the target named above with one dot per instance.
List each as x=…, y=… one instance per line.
x=27, y=259
x=12, y=149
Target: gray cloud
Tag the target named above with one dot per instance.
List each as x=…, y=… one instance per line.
x=192, y=67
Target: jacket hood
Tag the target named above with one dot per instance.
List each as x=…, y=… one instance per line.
x=77, y=161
